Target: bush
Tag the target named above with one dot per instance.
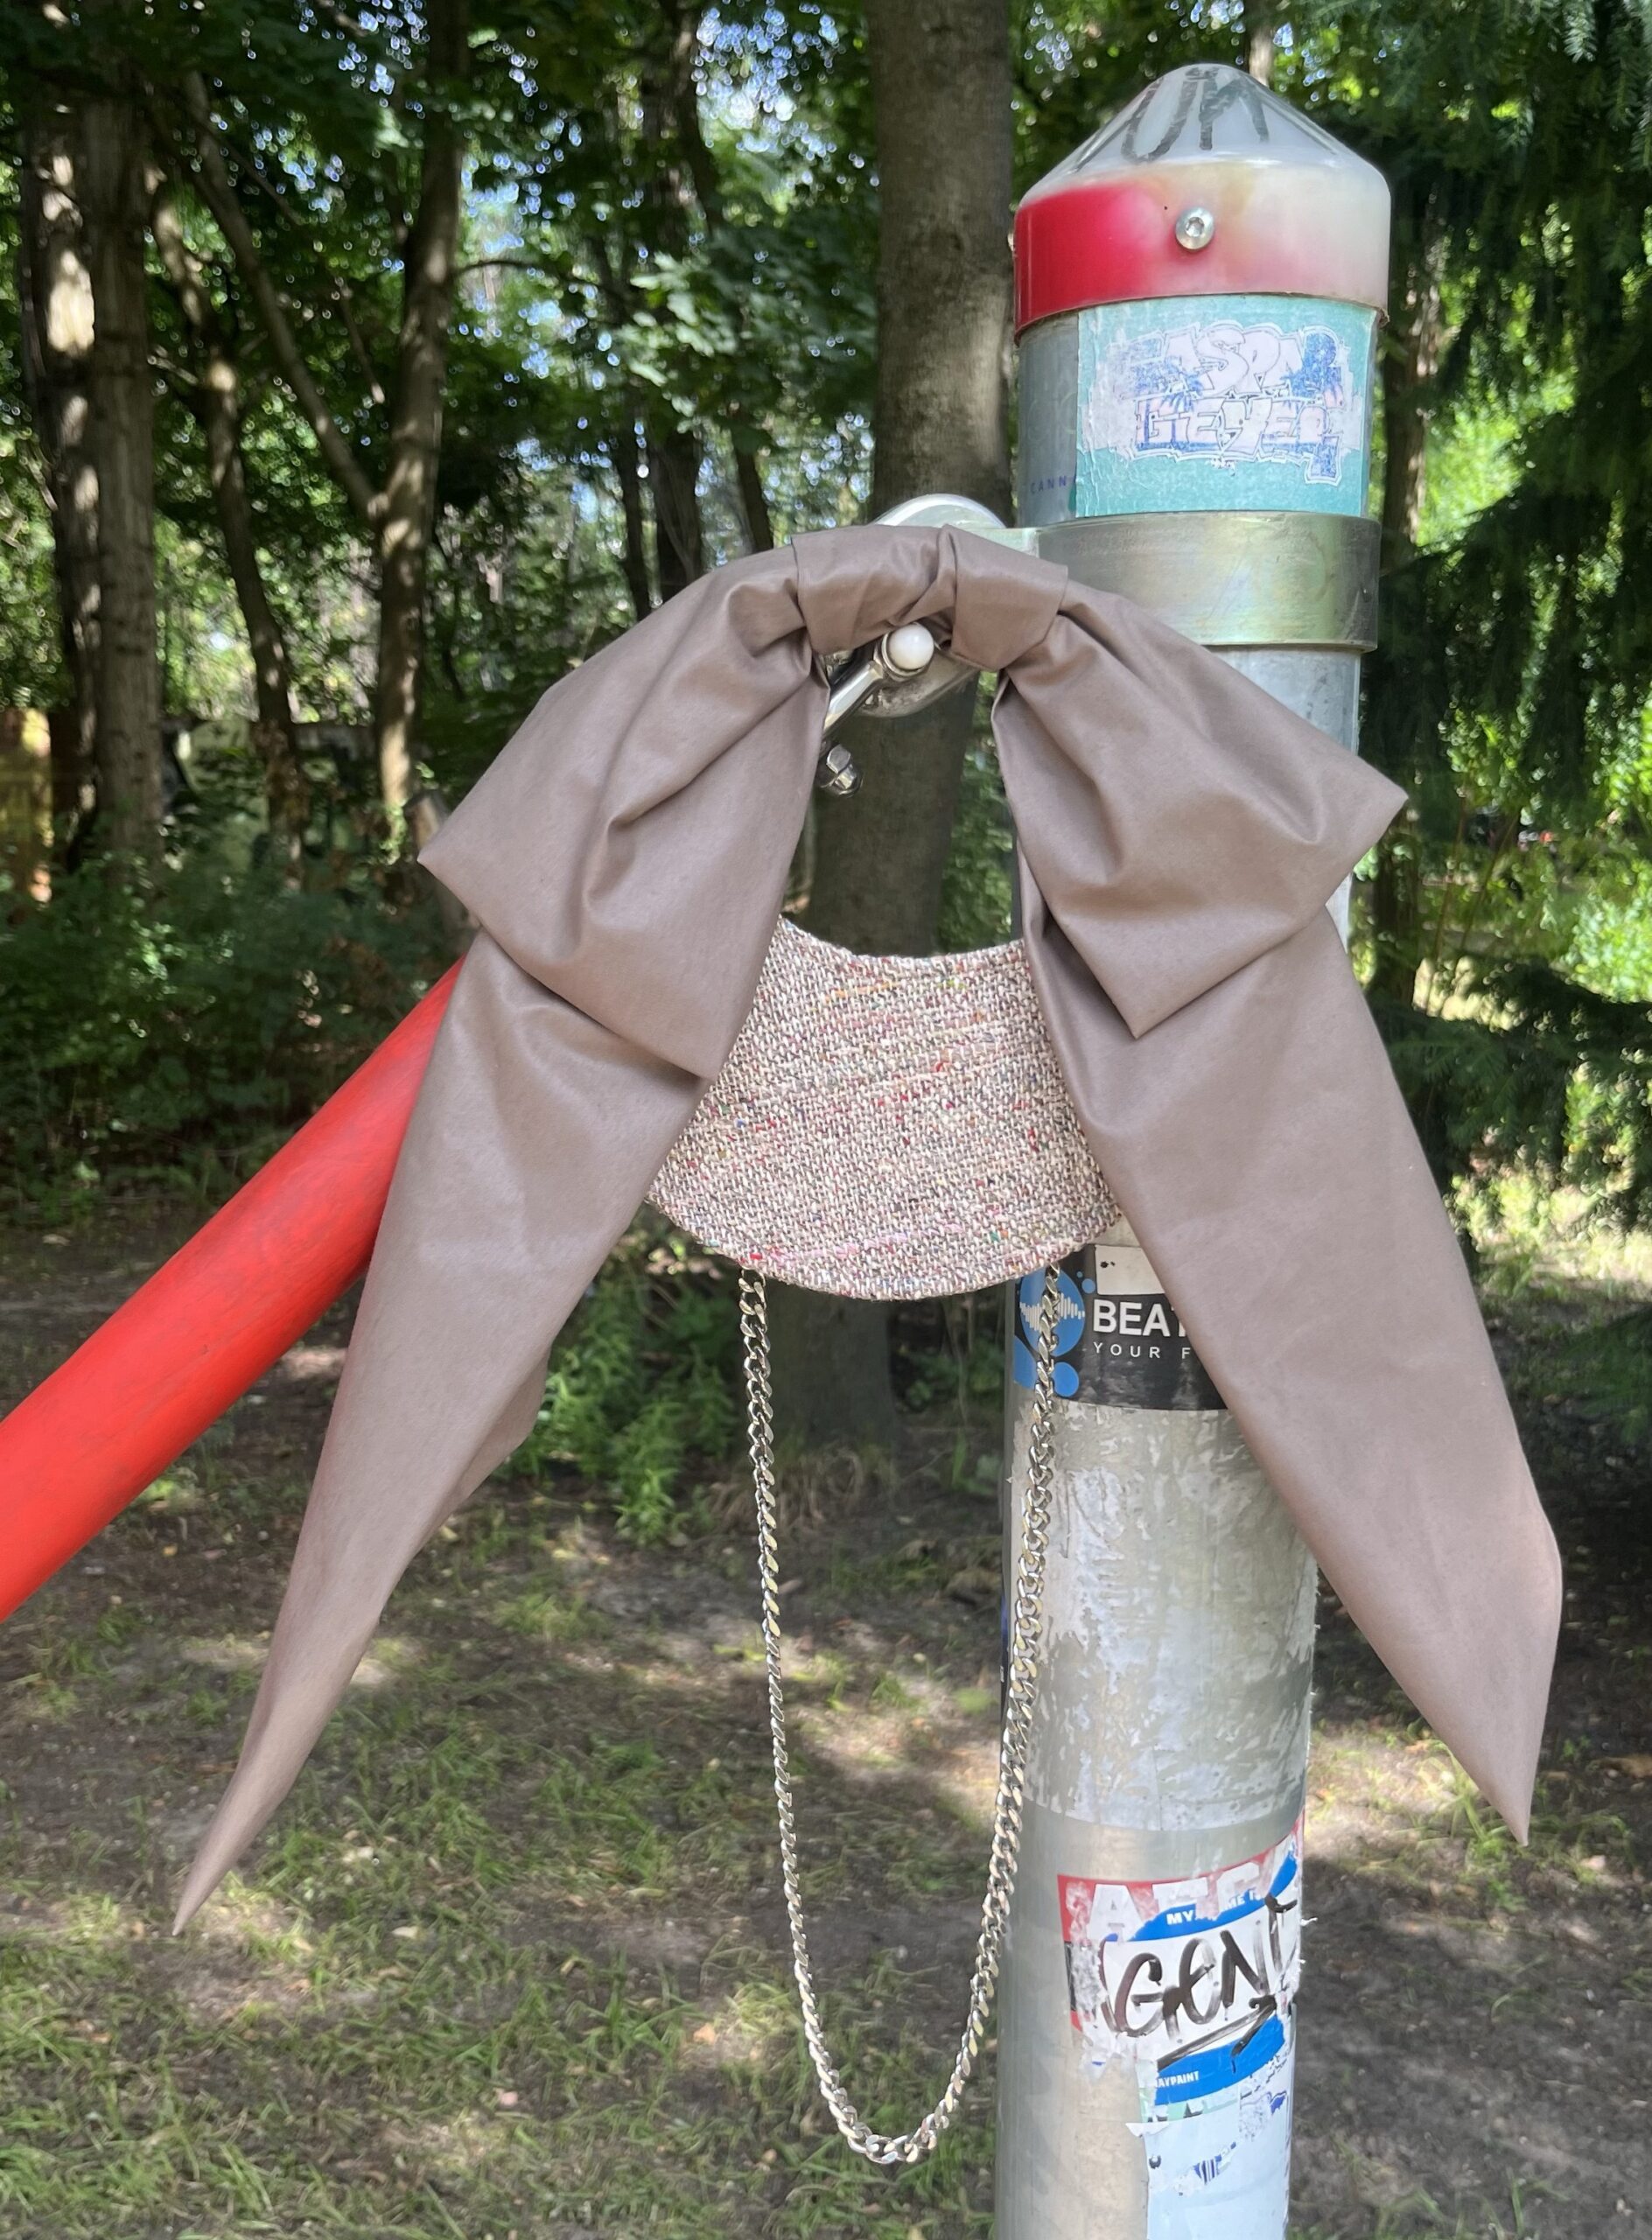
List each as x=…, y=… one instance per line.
x=1536, y=1073
x=150, y=1021
x=642, y=1382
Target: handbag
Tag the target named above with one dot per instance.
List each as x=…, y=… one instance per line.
x=626, y=860
x=893, y=1127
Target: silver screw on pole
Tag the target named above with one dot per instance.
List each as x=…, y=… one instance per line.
x=1196, y=228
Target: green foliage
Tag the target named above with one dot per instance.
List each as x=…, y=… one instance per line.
x=642, y=255
x=151, y=1019
x=1537, y=1071
x=1606, y=1369
x=642, y=1384
x=976, y=891
x=1610, y=943
x=31, y=671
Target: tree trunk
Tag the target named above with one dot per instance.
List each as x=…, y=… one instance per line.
x=941, y=91
x=215, y=401
x=748, y=475
x=1260, y=19
x=55, y=294
x=679, y=536
x=129, y=685
x=409, y=516
x=1411, y=360
x=217, y=190
x=684, y=94
x=668, y=102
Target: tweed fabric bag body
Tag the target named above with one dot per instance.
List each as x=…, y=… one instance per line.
x=888, y=1127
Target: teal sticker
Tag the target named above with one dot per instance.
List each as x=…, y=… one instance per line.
x=1210, y=403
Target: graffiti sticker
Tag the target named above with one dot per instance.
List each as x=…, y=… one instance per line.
x=1240, y=401
x=1194, y=1978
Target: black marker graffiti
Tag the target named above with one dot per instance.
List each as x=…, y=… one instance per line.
x=1197, y=98
x=1190, y=1982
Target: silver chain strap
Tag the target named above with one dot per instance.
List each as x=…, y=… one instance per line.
x=1019, y=1698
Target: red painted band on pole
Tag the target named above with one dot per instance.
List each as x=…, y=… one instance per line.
x=1109, y=241
x=207, y=1325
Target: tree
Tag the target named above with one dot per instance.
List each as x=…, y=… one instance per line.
x=85, y=142
x=940, y=75
x=113, y=170
x=54, y=297
x=213, y=395
x=399, y=511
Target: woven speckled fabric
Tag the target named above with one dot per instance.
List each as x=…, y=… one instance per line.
x=887, y=1127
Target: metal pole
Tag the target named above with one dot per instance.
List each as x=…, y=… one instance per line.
x=1198, y=295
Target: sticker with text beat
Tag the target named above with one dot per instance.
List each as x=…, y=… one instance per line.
x=1119, y=1342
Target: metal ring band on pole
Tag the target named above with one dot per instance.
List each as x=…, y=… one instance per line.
x=1234, y=578
x=1020, y=1699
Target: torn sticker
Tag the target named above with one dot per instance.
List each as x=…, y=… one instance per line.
x=1222, y=2170
x=1193, y=1979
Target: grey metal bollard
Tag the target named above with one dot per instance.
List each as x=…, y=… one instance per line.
x=1198, y=292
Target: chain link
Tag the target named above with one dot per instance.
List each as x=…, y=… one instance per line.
x=1020, y=1697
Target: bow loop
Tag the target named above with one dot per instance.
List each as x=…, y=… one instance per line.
x=992, y=603
x=1178, y=822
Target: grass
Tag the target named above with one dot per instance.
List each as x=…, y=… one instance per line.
x=1421, y=2218
x=421, y=2014
x=511, y=1961
x=452, y=1987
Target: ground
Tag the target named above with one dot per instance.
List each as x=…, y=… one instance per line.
x=511, y=1961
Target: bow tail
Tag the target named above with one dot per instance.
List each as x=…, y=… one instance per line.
x=1260, y=1147
x=536, y=1134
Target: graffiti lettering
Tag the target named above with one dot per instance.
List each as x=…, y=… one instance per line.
x=1195, y=1979
x=1137, y=1995
x=1230, y=394
x=1202, y=96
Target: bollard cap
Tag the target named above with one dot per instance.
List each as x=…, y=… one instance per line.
x=1205, y=184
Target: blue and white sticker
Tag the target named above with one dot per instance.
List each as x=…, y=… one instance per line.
x=1119, y=1342
x=1220, y=2170
x=1218, y=401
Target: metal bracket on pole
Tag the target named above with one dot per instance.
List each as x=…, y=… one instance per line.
x=897, y=677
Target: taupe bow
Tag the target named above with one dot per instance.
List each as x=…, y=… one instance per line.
x=1180, y=833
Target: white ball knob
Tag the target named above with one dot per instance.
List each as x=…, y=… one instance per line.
x=909, y=651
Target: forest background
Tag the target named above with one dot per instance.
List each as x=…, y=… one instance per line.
x=366, y=370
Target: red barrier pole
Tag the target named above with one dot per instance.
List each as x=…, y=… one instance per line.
x=208, y=1323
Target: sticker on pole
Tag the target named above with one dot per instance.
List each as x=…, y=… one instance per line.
x=1221, y=2169
x=1193, y=1981
x=1119, y=1342
x=1223, y=401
